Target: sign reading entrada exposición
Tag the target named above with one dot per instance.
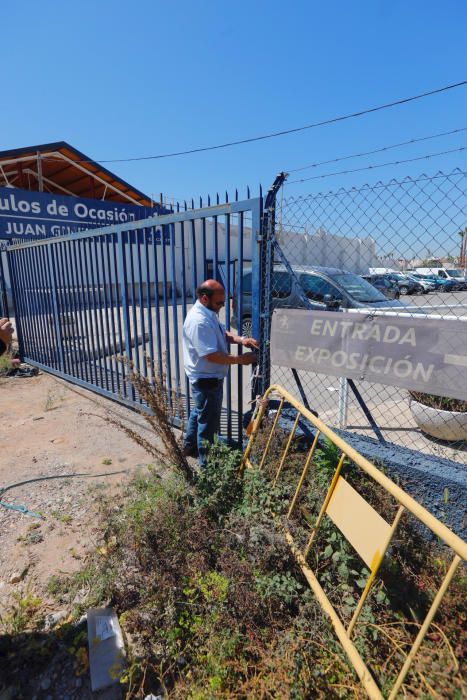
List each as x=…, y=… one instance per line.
x=419, y=353
x=34, y=215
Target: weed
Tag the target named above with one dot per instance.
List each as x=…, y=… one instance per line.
x=53, y=396
x=107, y=461
x=86, y=588
x=5, y=364
x=219, y=487
x=159, y=409
x=34, y=538
x=21, y=613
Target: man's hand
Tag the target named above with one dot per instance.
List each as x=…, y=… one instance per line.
x=233, y=339
x=6, y=331
x=250, y=343
x=248, y=358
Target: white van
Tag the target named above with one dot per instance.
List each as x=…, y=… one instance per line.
x=381, y=270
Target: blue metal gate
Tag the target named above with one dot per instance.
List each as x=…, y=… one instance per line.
x=4, y=306
x=84, y=300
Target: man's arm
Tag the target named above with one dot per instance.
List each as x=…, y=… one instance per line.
x=222, y=358
x=6, y=334
x=233, y=339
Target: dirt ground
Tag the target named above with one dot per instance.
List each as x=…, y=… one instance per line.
x=47, y=429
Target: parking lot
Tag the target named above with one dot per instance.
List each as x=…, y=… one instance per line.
x=453, y=304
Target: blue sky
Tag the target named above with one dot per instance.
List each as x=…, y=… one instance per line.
x=118, y=79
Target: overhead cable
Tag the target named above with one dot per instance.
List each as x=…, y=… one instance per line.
x=275, y=134
x=377, y=150
x=374, y=167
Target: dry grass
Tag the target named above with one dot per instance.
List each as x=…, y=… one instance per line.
x=158, y=411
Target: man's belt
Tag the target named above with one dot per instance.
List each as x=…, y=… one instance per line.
x=211, y=383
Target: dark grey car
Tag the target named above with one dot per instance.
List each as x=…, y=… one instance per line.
x=386, y=286
x=326, y=288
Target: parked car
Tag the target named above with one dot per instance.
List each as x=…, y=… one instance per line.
x=386, y=286
x=326, y=288
x=428, y=285
x=406, y=285
x=441, y=284
x=446, y=273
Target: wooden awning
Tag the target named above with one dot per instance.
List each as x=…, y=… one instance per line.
x=61, y=169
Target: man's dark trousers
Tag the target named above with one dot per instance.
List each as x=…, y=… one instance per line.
x=205, y=415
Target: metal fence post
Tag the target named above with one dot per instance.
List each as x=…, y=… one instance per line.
x=343, y=402
x=123, y=281
x=266, y=263
x=18, y=326
x=3, y=292
x=55, y=306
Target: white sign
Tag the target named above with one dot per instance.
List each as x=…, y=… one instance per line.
x=419, y=353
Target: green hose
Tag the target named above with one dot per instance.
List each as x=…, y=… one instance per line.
x=25, y=511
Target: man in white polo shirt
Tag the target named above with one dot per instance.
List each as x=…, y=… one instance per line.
x=206, y=358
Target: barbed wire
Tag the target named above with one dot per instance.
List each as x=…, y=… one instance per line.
x=377, y=150
x=378, y=165
x=408, y=180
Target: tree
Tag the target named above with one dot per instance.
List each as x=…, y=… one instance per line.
x=463, y=247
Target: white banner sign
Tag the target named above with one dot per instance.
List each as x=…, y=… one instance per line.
x=417, y=353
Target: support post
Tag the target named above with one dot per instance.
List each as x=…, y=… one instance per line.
x=40, y=178
x=266, y=263
x=343, y=402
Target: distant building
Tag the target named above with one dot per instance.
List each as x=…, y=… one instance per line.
x=322, y=248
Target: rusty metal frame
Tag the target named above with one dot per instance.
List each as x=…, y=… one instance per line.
x=404, y=501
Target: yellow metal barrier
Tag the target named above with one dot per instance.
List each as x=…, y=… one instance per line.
x=368, y=533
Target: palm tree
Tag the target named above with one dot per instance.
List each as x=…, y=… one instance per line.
x=463, y=247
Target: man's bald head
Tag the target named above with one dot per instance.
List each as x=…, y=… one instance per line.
x=211, y=294
x=208, y=287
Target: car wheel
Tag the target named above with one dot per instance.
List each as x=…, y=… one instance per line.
x=247, y=327
x=404, y=291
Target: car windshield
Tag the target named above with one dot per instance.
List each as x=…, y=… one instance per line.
x=358, y=288
x=454, y=273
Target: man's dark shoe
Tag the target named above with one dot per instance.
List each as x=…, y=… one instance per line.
x=189, y=451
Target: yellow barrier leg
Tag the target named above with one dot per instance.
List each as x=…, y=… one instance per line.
x=276, y=419
x=304, y=473
x=424, y=628
x=287, y=448
x=349, y=648
x=325, y=505
x=249, y=447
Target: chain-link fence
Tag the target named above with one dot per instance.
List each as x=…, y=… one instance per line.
x=377, y=246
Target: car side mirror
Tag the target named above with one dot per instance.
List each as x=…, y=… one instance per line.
x=332, y=302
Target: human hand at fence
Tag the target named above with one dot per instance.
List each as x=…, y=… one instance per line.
x=248, y=358
x=6, y=331
x=250, y=343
